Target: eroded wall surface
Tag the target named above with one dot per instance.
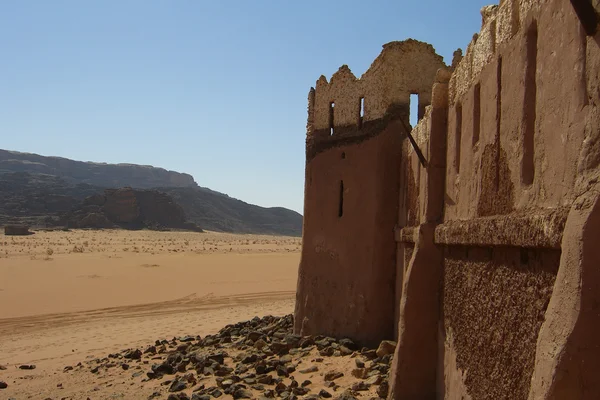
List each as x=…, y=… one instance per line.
x=521, y=126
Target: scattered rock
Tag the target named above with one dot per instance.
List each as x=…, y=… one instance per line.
x=386, y=347
x=360, y=386
x=133, y=354
x=197, y=396
x=382, y=390
x=347, y=395
x=177, y=386
x=242, y=393
x=308, y=370
x=325, y=394
x=333, y=375
x=31, y=366
x=374, y=380
x=178, y=396
x=3, y=385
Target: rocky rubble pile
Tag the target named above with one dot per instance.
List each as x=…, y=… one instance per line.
x=258, y=359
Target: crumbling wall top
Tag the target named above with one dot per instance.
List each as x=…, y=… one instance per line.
x=401, y=69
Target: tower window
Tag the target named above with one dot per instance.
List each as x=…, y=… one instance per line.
x=331, y=108
x=341, y=205
x=361, y=112
x=414, y=109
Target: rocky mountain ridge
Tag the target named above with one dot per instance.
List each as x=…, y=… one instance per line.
x=92, y=173
x=42, y=200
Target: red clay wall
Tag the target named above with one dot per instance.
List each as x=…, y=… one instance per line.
x=346, y=281
x=521, y=200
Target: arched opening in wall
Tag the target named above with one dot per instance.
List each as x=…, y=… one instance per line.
x=331, y=112
x=414, y=109
x=458, y=136
x=361, y=112
x=341, y=203
x=529, y=103
x=476, y=113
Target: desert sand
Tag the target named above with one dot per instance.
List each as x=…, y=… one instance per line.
x=67, y=297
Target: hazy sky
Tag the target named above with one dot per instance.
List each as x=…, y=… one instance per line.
x=217, y=89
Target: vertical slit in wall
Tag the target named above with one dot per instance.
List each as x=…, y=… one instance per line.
x=476, y=113
x=414, y=109
x=498, y=119
x=341, y=205
x=458, y=137
x=361, y=112
x=331, y=123
x=529, y=112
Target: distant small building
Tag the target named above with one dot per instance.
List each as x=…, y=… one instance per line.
x=17, y=230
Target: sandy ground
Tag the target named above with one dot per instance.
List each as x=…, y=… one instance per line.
x=67, y=297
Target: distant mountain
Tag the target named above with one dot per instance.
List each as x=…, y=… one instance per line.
x=97, y=174
x=216, y=211
x=40, y=191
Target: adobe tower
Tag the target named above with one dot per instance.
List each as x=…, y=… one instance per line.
x=355, y=133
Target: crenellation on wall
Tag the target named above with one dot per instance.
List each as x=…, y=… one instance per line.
x=403, y=68
x=507, y=21
x=484, y=47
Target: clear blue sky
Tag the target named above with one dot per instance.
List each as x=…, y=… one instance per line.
x=217, y=89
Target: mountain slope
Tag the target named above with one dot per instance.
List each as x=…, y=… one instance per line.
x=41, y=199
x=216, y=211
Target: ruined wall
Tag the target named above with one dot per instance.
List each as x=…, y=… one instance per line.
x=521, y=159
x=477, y=230
x=347, y=274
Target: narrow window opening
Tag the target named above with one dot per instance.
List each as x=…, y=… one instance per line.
x=498, y=121
x=414, y=109
x=361, y=112
x=341, y=205
x=476, y=113
x=529, y=112
x=331, y=123
x=458, y=137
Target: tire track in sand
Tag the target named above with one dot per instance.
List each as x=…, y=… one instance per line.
x=189, y=303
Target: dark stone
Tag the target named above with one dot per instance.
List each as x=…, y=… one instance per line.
x=3, y=385
x=197, y=396
x=178, y=396
x=333, y=375
x=177, y=386
x=133, y=354
x=242, y=393
x=360, y=386
x=382, y=389
x=325, y=394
